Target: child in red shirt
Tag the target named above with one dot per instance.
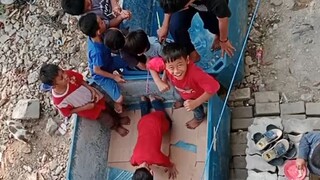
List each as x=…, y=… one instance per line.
x=193, y=84
x=151, y=128
x=71, y=94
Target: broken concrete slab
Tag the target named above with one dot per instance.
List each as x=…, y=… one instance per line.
x=239, y=137
x=312, y=109
x=240, y=94
x=241, y=123
x=267, y=109
x=267, y=96
x=260, y=124
x=298, y=126
x=251, y=148
x=281, y=170
x=51, y=127
x=252, y=175
x=295, y=138
x=27, y=109
x=242, y=112
x=293, y=116
x=293, y=108
x=256, y=162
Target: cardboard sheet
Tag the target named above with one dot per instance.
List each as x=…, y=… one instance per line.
x=201, y=141
x=185, y=162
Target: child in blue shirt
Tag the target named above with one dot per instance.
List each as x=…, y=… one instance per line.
x=101, y=63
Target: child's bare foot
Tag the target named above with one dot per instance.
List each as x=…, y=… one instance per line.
x=193, y=123
x=153, y=97
x=125, y=120
x=177, y=105
x=122, y=131
x=118, y=108
x=216, y=43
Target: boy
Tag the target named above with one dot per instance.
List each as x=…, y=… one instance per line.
x=109, y=10
x=151, y=127
x=178, y=17
x=309, y=152
x=101, y=64
x=71, y=94
x=193, y=84
x=115, y=40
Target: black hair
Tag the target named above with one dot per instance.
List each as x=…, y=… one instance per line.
x=114, y=39
x=171, y=6
x=142, y=174
x=137, y=42
x=173, y=51
x=315, y=157
x=88, y=24
x=73, y=7
x=48, y=72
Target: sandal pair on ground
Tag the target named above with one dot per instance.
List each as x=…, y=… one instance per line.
x=274, y=145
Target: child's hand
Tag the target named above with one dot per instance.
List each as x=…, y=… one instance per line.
x=125, y=14
x=118, y=78
x=95, y=96
x=300, y=163
x=172, y=172
x=117, y=10
x=190, y=104
x=163, y=86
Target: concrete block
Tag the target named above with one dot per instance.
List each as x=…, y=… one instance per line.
x=297, y=126
x=313, y=109
x=239, y=137
x=239, y=162
x=242, y=112
x=27, y=109
x=256, y=162
x=266, y=96
x=238, y=174
x=315, y=123
x=293, y=116
x=240, y=94
x=268, y=109
x=238, y=149
x=252, y=175
x=241, y=124
x=293, y=108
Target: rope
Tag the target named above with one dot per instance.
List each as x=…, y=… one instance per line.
x=214, y=140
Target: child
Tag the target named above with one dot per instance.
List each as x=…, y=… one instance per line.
x=109, y=10
x=71, y=94
x=193, y=84
x=115, y=40
x=309, y=152
x=101, y=64
x=151, y=128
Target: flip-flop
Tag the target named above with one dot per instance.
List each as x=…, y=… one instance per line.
x=292, y=172
x=278, y=150
x=277, y=162
x=268, y=138
x=272, y=126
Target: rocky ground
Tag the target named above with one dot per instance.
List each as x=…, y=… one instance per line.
x=30, y=35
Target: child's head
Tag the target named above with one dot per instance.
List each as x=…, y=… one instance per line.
x=114, y=39
x=52, y=75
x=315, y=157
x=171, y=6
x=92, y=25
x=137, y=42
x=176, y=60
x=76, y=7
x=142, y=174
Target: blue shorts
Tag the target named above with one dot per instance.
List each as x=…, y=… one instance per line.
x=110, y=86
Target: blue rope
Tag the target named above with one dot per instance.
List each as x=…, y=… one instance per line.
x=213, y=143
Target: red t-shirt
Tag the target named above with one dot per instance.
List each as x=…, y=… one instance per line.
x=193, y=85
x=151, y=128
x=75, y=96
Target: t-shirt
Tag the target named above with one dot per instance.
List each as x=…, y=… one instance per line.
x=193, y=85
x=217, y=7
x=151, y=128
x=155, y=49
x=77, y=95
x=103, y=9
x=131, y=59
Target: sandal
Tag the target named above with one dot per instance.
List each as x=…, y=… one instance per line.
x=262, y=141
x=277, y=151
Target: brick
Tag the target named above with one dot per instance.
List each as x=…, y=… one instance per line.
x=312, y=109
x=242, y=112
x=238, y=174
x=293, y=108
x=241, y=123
x=239, y=137
x=240, y=94
x=267, y=109
x=239, y=162
x=266, y=96
x=293, y=116
x=238, y=149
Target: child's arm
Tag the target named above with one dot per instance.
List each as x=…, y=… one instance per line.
x=82, y=108
x=95, y=95
x=192, y=104
x=162, y=85
x=106, y=74
x=142, y=66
